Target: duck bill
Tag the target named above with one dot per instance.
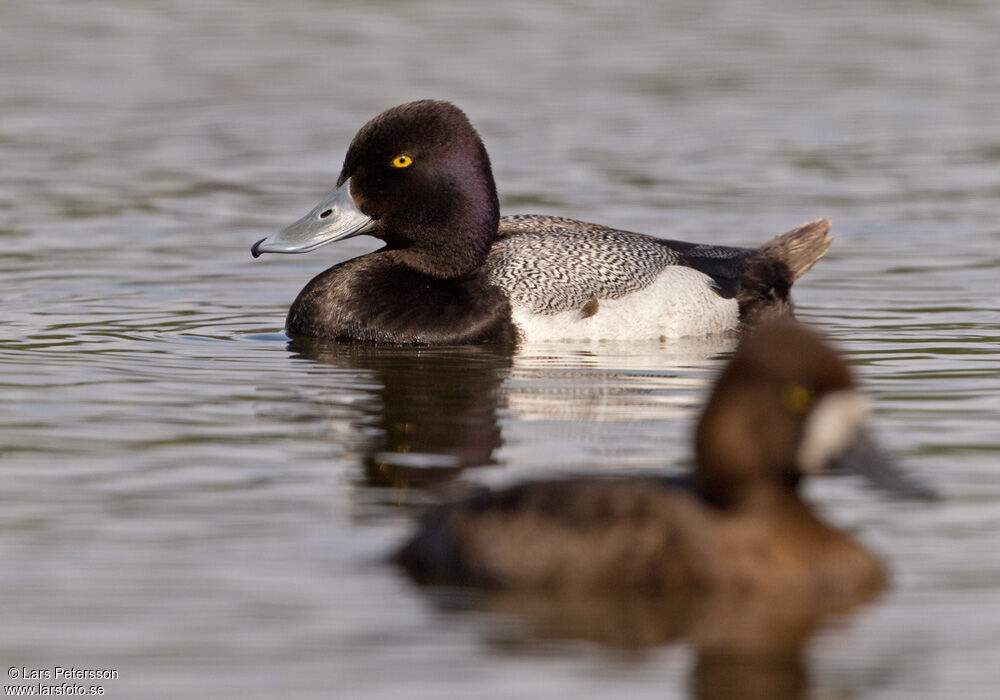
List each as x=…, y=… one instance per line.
x=863, y=455
x=335, y=218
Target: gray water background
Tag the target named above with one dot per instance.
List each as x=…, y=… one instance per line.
x=189, y=500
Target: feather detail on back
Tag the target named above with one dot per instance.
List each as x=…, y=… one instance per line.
x=548, y=265
x=590, y=279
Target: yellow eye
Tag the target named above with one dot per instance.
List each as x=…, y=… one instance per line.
x=402, y=161
x=797, y=398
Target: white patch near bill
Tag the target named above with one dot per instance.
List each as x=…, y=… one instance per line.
x=679, y=303
x=830, y=427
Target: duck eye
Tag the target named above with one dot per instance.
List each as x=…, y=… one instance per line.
x=797, y=399
x=402, y=161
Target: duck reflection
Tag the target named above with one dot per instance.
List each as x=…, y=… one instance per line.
x=426, y=414
x=434, y=411
x=747, y=647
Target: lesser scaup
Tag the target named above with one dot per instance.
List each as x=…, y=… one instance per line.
x=785, y=406
x=454, y=271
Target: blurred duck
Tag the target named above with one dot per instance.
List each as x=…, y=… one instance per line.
x=784, y=407
x=453, y=271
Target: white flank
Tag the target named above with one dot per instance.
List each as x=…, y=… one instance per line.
x=679, y=303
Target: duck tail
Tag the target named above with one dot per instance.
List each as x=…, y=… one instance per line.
x=800, y=248
x=769, y=272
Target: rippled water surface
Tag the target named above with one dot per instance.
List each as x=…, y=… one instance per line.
x=195, y=501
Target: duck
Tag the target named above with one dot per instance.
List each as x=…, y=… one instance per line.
x=784, y=407
x=454, y=271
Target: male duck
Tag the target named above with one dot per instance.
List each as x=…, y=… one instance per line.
x=785, y=406
x=453, y=271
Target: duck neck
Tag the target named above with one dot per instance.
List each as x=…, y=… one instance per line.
x=739, y=478
x=452, y=237
x=445, y=249
x=758, y=497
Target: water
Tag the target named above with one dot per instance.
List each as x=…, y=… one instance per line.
x=191, y=500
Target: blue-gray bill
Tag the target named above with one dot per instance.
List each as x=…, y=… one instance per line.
x=864, y=456
x=334, y=219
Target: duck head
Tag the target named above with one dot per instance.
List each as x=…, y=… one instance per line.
x=785, y=406
x=418, y=177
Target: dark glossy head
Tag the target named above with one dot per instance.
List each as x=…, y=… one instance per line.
x=416, y=176
x=786, y=405
x=422, y=172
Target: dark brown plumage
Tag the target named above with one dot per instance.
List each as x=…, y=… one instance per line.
x=736, y=525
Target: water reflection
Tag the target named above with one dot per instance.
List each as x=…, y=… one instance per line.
x=414, y=418
x=434, y=411
x=613, y=381
x=746, y=647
